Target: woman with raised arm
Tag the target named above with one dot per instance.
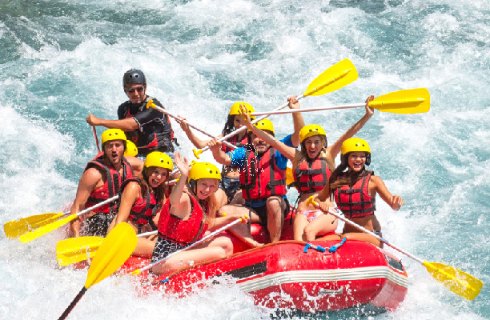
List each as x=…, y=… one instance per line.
x=187, y=215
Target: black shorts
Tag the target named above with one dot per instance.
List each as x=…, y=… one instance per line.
x=97, y=224
x=230, y=186
x=163, y=248
x=262, y=212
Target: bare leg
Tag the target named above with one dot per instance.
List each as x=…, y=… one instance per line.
x=238, y=198
x=241, y=230
x=330, y=237
x=323, y=224
x=144, y=247
x=275, y=218
x=377, y=229
x=370, y=222
x=362, y=237
x=221, y=197
x=218, y=248
x=300, y=222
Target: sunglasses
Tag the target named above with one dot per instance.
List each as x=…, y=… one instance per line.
x=139, y=89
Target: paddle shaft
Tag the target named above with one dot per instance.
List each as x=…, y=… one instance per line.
x=335, y=214
x=408, y=101
x=79, y=252
x=231, y=134
x=345, y=106
x=149, y=233
x=191, y=125
x=192, y=245
x=98, y=205
x=73, y=304
x=41, y=231
x=95, y=206
x=96, y=138
x=114, y=250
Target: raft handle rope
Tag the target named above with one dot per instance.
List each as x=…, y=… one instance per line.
x=318, y=248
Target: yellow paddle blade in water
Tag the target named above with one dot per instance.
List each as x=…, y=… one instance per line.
x=73, y=250
x=458, y=281
x=337, y=76
x=16, y=228
x=112, y=253
x=403, y=101
x=41, y=231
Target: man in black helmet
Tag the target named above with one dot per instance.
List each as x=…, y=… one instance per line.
x=148, y=128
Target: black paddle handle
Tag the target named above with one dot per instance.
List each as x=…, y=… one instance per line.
x=73, y=304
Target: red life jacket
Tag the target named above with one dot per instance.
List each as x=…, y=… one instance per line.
x=355, y=201
x=112, y=183
x=311, y=175
x=182, y=231
x=144, y=208
x=261, y=178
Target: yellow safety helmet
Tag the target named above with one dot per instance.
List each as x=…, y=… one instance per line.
x=265, y=124
x=204, y=170
x=159, y=159
x=113, y=134
x=235, y=108
x=131, y=149
x=355, y=144
x=311, y=130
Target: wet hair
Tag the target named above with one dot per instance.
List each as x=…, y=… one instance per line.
x=229, y=125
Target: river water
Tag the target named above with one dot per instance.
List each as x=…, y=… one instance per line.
x=60, y=60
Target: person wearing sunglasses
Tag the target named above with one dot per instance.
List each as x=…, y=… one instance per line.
x=148, y=128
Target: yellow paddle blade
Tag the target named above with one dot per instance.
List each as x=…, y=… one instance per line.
x=337, y=76
x=41, y=231
x=15, y=228
x=113, y=252
x=289, y=176
x=73, y=250
x=403, y=101
x=458, y=281
x=197, y=153
x=66, y=260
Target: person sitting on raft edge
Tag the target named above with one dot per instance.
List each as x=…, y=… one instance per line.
x=354, y=190
x=189, y=214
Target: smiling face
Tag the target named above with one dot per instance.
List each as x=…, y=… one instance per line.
x=206, y=187
x=313, y=145
x=156, y=176
x=136, y=93
x=260, y=145
x=356, y=161
x=114, y=151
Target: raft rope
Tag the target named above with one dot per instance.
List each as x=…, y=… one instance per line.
x=331, y=249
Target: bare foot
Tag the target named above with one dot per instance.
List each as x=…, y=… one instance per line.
x=252, y=243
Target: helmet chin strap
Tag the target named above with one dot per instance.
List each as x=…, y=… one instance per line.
x=193, y=187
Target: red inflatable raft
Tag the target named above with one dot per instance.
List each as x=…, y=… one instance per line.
x=295, y=275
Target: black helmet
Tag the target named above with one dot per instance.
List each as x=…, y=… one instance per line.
x=133, y=76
